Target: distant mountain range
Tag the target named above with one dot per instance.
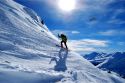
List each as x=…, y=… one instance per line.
x=97, y=58
x=112, y=62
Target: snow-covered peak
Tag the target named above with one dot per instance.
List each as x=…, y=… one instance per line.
x=96, y=56
x=28, y=52
x=115, y=63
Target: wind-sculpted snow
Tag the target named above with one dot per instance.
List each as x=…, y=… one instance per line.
x=27, y=47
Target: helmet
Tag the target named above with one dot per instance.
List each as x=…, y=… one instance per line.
x=62, y=34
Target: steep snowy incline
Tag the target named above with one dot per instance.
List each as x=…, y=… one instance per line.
x=28, y=52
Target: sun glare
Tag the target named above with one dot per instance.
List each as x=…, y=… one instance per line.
x=67, y=5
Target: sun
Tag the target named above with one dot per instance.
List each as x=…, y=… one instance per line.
x=66, y=5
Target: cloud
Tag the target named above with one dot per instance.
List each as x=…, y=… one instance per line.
x=88, y=45
x=117, y=13
x=115, y=17
x=116, y=21
x=81, y=5
x=95, y=4
x=60, y=31
x=75, y=32
x=112, y=32
x=108, y=33
x=121, y=43
x=67, y=32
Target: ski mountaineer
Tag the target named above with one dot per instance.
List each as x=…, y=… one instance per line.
x=42, y=22
x=63, y=40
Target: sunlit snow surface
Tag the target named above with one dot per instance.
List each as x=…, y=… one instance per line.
x=28, y=52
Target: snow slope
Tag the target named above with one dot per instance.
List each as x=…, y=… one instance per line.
x=28, y=52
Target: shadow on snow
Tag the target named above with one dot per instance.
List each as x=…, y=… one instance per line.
x=61, y=60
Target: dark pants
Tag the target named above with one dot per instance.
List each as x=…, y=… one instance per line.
x=64, y=44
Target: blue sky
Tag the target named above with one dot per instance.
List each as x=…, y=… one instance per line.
x=94, y=25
